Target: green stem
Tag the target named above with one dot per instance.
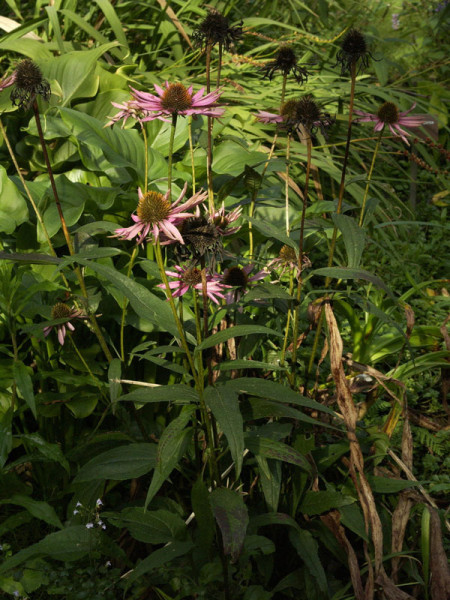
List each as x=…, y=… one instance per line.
x=219, y=68
x=170, y=159
x=286, y=184
x=191, y=152
x=288, y=322
x=209, y=132
x=369, y=178
x=144, y=134
x=124, y=306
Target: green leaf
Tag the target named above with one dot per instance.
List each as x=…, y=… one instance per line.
x=308, y=550
x=272, y=519
x=159, y=558
x=171, y=447
x=270, y=479
x=25, y=384
x=354, y=238
x=261, y=408
x=231, y=158
x=40, y=510
x=153, y=527
x=31, y=258
x=315, y=503
x=203, y=514
x=388, y=485
x=13, y=207
x=51, y=451
x=266, y=291
x=272, y=232
x=229, y=365
x=224, y=405
x=119, y=464
x=347, y=273
x=260, y=446
x=114, y=373
x=177, y=393
x=231, y=332
x=231, y=515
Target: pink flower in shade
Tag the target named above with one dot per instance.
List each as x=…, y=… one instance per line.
x=63, y=311
x=238, y=278
x=222, y=220
x=7, y=82
x=267, y=117
x=190, y=277
x=128, y=110
x=388, y=114
x=157, y=215
x=175, y=99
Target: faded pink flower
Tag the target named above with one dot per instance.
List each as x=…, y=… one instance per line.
x=175, y=99
x=7, y=82
x=63, y=311
x=190, y=277
x=267, y=117
x=156, y=215
x=128, y=110
x=222, y=220
x=238, y=278
x=388, y=114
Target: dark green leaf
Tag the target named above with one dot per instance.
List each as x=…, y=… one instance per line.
x=124, y=462
x=231, y=332
x=231, y=515
x=271, y=449
x=25, y=384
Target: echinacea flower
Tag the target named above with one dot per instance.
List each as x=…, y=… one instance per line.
x=63, y=311
x=29, y=83
x=353, y=49
x=238, y=277
x=222, y=220
x=215, y=29
x=191, y=278
x=7, y=82
x=175, y=99
x=156, y=214
x=288, y=260
x=128, y=110
x=388, y=114
x=285, y=62
x=293, y=113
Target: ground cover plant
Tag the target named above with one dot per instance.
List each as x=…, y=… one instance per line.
x=224, y=293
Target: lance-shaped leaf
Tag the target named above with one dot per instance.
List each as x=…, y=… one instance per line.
x=119, y=464
x=231, y=332
x=308, y=550
x=25, y=385
x=354, y=238
x=232, y=517
x=260, y=446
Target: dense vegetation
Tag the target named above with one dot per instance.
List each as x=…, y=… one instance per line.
x=224, y=293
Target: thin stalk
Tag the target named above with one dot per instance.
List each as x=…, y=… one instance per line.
x=124, y=306
x=300, y=251
x=209, y=131
x=369, y=178
x=286, y=185
x=86, y=366
x=78, y=272
x=144, y=134
x=191, y=152
x=219, y=68
x=288, y=322
x=170, y=159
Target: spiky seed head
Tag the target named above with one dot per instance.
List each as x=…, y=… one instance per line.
x=176, y=98
x=153, y=208
x=388, y=113
x=237, y=277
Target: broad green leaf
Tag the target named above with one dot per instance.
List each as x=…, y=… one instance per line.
x=266, y=291
x=51, y=451
x=74, y=71
x=271, y=232
x=224, y=405
x=258, y=544
x=6, y=438
x=261, y=408
x=260, y=446
x=231, y=515
x=114, y=373
x=264, y=388
x=272, y=519
x=352, y=517
x=231, y=332
x=159, y=558
x=13, y=207
x=315, y=503
x=387, y=485
x=25, y=384
x=177, y=393
x=31, y=258
x=151, y=527
x=421, y=363
x=270, y=479
x=347, y=273
x=354, y=238
x=231, y=159
x=171, y=447
x=40, y=510
x=308, y=550
x=230, y=365
x=124, y=462
x=203, y=514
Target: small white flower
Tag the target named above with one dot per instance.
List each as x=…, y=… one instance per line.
x=99, y=502
x=89, y=525
x=76, y=512
x=103, y=526
x=108, y=563
x=78, y=504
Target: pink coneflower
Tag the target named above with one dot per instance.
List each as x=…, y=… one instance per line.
x=238, y=278
x=175, y=99
x=388, y=114
x=128, y=110
x=7, y=82
x=268, y=117
x=190, y=277
x=63, y=311
x=222, y=220
x=156, y=214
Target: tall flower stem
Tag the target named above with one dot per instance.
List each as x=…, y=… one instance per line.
x=125, y=304
x=170, y=159
x=191, y=152
x=300, y=251
x=338, y=210
x=144, y=135
x=209, y=127
x=286, y=184
x=288, y=322
x=369, y=178
x=78, y=272
x=219, y=68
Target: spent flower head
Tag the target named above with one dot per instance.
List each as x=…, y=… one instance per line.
x=62, y=311
x=188, y=277
x=353, y=49
x=176, y=99
x=156, y=215
x=7, y=82
x=128, y=110
x=29, y=83
x=388, y=114
x=240, y=279
x=215, y=29
x=288, y=261
x=286, y=62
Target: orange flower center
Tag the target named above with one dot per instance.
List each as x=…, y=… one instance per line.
x=61, y=311
x=192, y=277
x=176, y=98
x=287, y=254
x=153, y=208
